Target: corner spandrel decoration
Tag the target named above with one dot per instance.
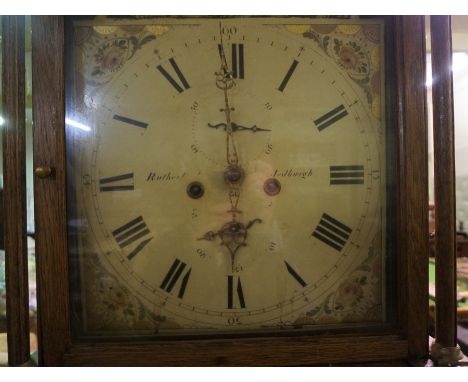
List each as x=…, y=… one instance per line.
x=355, y=49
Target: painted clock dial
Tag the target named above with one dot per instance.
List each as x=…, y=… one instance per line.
x=228, y=174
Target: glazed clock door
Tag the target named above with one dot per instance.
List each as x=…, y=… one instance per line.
x=228, y=179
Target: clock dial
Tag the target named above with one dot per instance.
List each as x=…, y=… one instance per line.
x=231, y=176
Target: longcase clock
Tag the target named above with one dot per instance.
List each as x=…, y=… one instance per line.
x=230, y=191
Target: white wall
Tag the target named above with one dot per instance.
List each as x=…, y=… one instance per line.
x=460, y=90
x=29, y=172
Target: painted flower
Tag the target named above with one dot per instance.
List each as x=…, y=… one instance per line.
x=348, y=294
x=112, y=58
x=117, y=297
x=349, y=59
x=111, y=293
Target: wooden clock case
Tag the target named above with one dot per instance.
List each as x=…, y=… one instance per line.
x=404, y=338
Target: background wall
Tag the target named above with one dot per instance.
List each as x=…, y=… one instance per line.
x=460, y=89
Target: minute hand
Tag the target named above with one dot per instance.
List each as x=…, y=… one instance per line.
x=236, y=127
x=253, y=128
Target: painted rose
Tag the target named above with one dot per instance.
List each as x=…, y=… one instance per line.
x=349, y=58
x=112, y=58
x=117, y=297
x=348, y=294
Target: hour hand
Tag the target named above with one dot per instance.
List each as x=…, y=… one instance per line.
x=236, y=127
x=210, y=236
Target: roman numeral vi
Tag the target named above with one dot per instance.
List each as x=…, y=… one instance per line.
x=238, y=290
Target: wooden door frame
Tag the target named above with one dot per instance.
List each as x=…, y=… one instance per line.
x=50, y=193
x=14, y=193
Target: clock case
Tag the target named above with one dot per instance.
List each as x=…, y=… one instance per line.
x=402, y=337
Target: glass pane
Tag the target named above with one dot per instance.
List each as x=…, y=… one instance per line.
x=30, y=191
x=430, y=153
x=3, y=339
x=460, y=93
x=226, y=175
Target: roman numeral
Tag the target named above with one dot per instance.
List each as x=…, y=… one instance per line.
x=347, y=174
x=294, y=274
x=331, y=117
x=332, y=232
x=237, y=59
x=175, y=272
x=132, y=233
x=130, y=121
x=240, y=294
x=286, y=78
x=179, y=74
x=117, y=183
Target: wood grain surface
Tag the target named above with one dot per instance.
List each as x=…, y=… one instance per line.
x=444, y=181
x=14, y=189
x=281, y=351
x=413, y=202
x=50, y=193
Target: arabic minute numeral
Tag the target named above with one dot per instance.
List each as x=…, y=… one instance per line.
x=233, y=321
x=201, y=252
x=238, y=268
x=228, y=30
x=195, y=106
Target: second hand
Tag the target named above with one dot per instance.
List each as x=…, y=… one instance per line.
x=227, y=82
x=233, y=234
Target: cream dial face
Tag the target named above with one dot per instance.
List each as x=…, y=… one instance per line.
x=161, y=118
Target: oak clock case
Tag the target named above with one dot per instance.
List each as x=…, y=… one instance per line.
x=226, y=176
